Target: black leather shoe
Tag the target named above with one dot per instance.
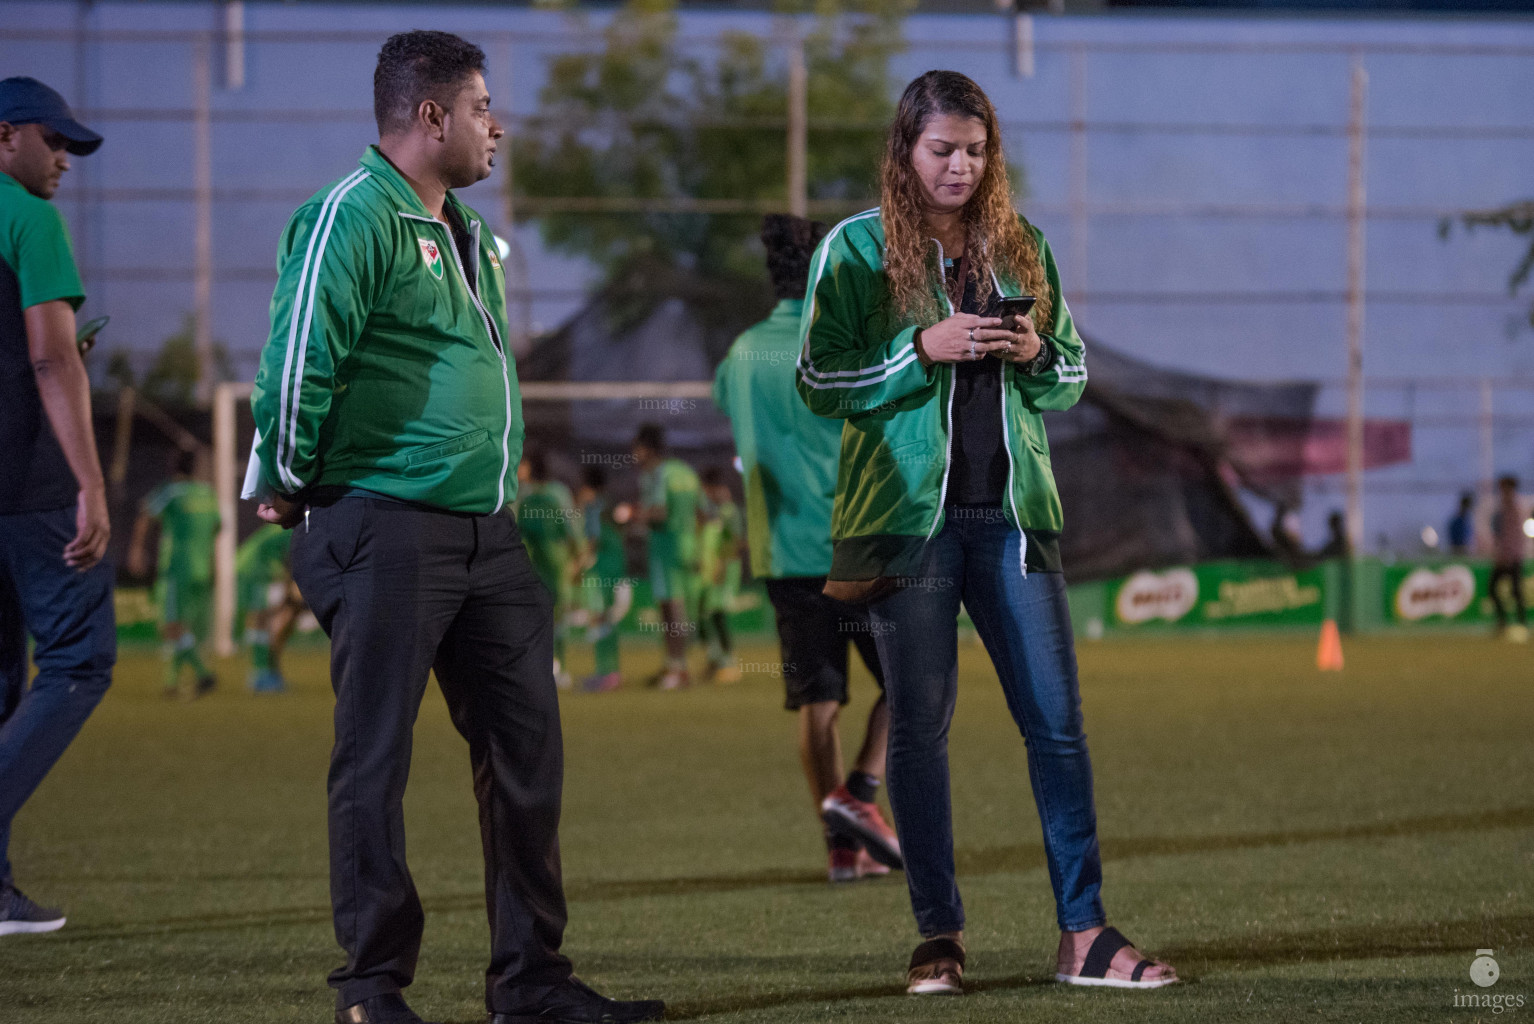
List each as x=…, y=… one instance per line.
x=389, y=1008
x=574, y=1003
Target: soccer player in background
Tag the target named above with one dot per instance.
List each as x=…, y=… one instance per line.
x=546, y=515
x=389, y=430
x=187, y=511
x=1508, y=545
x=1461, y=529
x=54, y=584
x=719, y=542
x=267, y=602
x=788, y=459
x=669, y=492
x=606, y=593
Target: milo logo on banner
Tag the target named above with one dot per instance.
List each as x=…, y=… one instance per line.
x=1425, y=593
x=1148, y=595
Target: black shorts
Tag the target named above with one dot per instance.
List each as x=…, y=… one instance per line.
x=813, y=630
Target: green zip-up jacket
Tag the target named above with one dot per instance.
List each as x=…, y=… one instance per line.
x=386, y=367
x=858, y=363
x=787, y=453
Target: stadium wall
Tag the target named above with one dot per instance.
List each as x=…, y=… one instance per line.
x=1191, y=171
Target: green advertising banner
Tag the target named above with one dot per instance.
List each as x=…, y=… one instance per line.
x=1365, y=596
x=1218, y=594
x=138, y=617
x=1443, y=592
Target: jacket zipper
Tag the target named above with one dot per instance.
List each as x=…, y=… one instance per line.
x=1006, y=439
x=942, y=492
x=495, y=340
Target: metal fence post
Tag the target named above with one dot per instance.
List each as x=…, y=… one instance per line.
x=202, y=234
x=1355, y=304
x=798, y=129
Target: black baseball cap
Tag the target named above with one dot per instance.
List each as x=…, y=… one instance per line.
x=28, y=101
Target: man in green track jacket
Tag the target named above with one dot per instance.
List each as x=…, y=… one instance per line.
x=389, y=431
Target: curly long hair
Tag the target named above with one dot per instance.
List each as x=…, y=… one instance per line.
x=998, y=238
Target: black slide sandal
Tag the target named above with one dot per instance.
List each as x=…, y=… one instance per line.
x=1094, y=970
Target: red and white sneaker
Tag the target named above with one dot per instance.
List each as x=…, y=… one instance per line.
x=842, y=865
x=845, y=815
x=870, y=868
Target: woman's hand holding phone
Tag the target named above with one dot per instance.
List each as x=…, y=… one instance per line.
x=1025, y=347
x=962, y=338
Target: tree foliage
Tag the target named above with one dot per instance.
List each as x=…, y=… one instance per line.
x=171, y=379
x=1517, y=218
x=654, y=116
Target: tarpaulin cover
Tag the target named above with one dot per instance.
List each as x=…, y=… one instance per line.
x=1148, y=464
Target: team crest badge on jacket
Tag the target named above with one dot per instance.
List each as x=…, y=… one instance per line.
x=432, y=255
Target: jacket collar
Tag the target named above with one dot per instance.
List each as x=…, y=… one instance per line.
x=408, y=202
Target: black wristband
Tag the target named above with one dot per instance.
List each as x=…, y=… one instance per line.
x=1040, y=362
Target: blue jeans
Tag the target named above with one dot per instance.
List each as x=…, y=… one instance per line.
x=74, y=633
x=1025, y=625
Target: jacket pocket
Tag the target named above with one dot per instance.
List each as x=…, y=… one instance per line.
x=901, y=455
x=443, y=449
x=1033, y=431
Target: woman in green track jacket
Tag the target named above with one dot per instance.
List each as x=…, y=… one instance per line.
x=945, y=493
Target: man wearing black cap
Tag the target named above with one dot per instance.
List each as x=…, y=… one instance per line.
x=53, y=511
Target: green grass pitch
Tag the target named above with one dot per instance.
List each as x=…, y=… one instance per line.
x=1303, y=846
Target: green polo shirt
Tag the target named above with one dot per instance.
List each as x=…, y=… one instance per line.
x=37, y=265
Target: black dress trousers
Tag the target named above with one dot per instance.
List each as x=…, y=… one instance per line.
x=402, y=590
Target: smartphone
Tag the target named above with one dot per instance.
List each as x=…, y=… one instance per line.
x=1017, y=305
x=85, y=338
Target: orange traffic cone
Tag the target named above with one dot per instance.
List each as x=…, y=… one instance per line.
x=1329, y=650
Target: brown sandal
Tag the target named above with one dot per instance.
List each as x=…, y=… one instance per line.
x=937, y=969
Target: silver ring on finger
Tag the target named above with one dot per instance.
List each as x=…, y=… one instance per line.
x=972, y=350
x=971, y=337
